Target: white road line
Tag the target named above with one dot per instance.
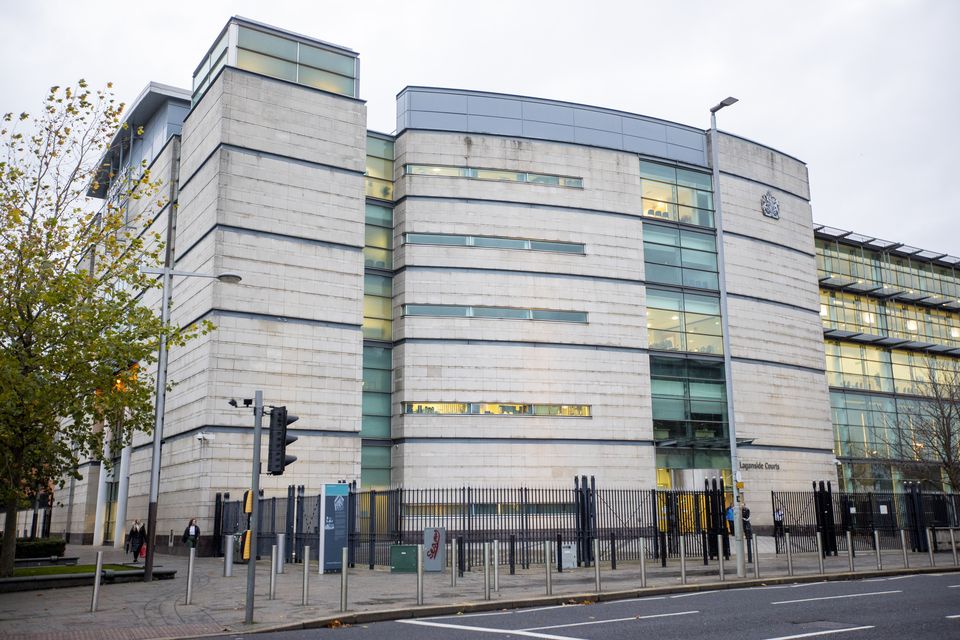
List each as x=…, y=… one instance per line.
x=849, y=595
x=819, y=633
x=953, y=586
x=581, y=624
x=464, y=627
x=952, y=617
x=504, y=613
x=695, y=593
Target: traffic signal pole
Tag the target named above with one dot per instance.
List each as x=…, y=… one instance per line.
x=255, y=511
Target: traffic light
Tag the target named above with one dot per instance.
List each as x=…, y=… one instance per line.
x=277, y=457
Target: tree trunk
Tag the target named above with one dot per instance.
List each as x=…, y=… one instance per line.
x=8, y=549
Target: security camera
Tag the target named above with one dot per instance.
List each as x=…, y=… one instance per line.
x=203, y=435
x=232, y=402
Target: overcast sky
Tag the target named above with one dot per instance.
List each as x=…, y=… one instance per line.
x=866, y=92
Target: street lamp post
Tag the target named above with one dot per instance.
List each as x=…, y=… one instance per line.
x=166, y=274
x=725, y=327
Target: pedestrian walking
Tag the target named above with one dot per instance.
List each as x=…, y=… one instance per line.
x=136, y=539
x=778, y=522
x=191, y=534
x=730, y=525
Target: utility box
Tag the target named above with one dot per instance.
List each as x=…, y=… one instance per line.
x=568, y=555
x=403, y=558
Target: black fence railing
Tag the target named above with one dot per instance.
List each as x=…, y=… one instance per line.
x=519, y=519
x=834, y=513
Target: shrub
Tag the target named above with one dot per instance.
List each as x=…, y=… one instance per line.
x=41, y=548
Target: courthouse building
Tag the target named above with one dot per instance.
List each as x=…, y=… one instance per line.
x=505, y=291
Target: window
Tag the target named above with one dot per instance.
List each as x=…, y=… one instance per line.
x=494, y=242
x=676, y=194
x=378, y=237
x=507, y=313
x=496, y=409
x=377, y=307
x=683, y=321
x=500, y=175
x=689, y=399
x=681, y=257
x=379, y=173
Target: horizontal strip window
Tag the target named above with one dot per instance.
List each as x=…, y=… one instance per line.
x=504, y=313
x=499, y=175
x=494, y=242
x=496, y=409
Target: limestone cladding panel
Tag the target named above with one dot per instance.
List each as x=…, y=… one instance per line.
x=780, y=471
x=764, y=331
x=84, y=503
x=613, y=244
x=314, y=369
x=616, y=313
x=766, y=165
x=782, y=406
x=614, y=383
x=760, y=270
x=199, y=199
x=193, y=471
x=535, y=464
x=611, y=179
x=742, y=214
x=202, y=130
x=291, y=120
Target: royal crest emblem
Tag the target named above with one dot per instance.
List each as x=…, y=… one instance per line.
x=770, y=206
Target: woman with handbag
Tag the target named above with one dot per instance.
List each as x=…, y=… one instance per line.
x=191, y=534
x=136, y=539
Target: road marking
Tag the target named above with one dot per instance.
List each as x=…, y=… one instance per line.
x=954, y=586
x=504, y=613
x=849, y=595
x=581, y=624
x=952, y=617
x=464, y=627
x=820, y=633
x=695, y=593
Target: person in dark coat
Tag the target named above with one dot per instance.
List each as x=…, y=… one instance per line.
x=136, y=539
x=191, y=534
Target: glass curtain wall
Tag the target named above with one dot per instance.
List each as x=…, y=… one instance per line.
x=375, y=434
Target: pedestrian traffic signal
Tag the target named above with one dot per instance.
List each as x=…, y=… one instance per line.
x=248, y=501
x=277, y=457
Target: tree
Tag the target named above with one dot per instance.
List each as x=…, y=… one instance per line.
x=75, y=337
x=929, y=429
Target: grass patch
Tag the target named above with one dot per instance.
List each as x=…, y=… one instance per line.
x=27, y=572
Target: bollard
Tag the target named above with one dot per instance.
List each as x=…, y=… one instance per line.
x=453, y=562
x=547, y=552
x=96, y=583
x=903, y=548
x=170, y=539
x=419, y=574
x=820, y=551
x=933, y=561
x=486, y=570
x=559, y=550
x=613, y=551
x=663, y=549
x=273, y=572
x=683, y=560
x=786, y=536
x=850, y=552
x=228, y=556
x=343, y=580
x=495, y=561
x=305, y=597
x=281, y=551
x=953, y=547
x=876, y=543
x=596, y=564
x=756, y=557
x=193, y=555
x=720, y=556
x=512, y=554
x=643, y=563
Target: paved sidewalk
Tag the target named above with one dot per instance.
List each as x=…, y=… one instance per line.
x=149, y=611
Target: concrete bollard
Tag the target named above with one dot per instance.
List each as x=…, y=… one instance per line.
x=596, y=564
x=486, y=570
x=343, y=580
x=419, y=574
x=193, y=555
x=756, y=557
x=547, y=553
x=903, y=548
x=876, y=544
x=95, y=600
x=933, y=561
x=281, y=552
x=643, y=563
x=305, y=595
x=453, y=562
x=683, y=560
x=850, y=565
x=953, y=547
x=228, y=556
x=820, y=551
x=720, y=556
x=786, y=536
x=273, y=572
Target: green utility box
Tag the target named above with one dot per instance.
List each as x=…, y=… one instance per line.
x=403, y=558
